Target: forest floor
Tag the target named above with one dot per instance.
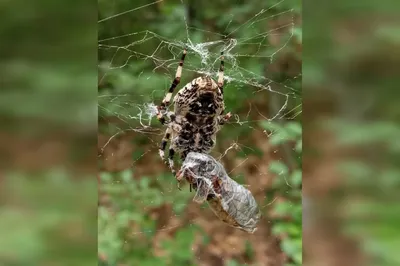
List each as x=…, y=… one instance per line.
x=225, y=242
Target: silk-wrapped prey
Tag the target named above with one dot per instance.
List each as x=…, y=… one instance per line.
x=230, y=201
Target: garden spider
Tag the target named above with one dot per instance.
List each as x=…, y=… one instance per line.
x=197, y=117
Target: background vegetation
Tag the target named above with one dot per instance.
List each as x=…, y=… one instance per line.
x=143, y=218
x=48, y=99
x=350, y=166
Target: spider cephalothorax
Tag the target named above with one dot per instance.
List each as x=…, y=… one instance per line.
x=197, y=117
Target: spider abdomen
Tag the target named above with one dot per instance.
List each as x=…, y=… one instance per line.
x=197, y=135
x=197, y=106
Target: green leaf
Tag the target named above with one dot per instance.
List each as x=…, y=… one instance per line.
x=249, y=250
x=279, y=228
x=287, y=228
x=294, y=128
x=271, y=126
x=293, y=248
x=123, y=218
x=232, y=263
x=298, y=33
x=299, y=146
x=106, y=177
x=279, y=138
x=126, y=176
x=283, y=208
x=296, y=177
x=144, y=182
x=137, y=217
x=278, y=167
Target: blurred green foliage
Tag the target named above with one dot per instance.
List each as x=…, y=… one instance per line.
x=128, y=201
x=350, y=63
x=288, y=224
x=47, y=73
x=48, y=78
x=43, y=221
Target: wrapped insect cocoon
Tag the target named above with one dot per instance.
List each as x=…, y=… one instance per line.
x=230, y=201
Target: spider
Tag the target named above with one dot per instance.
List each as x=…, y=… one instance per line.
x=197, y=117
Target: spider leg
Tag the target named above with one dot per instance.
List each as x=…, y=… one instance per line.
x=222, y=119
x=221, y=74
x=178, y=177
x=183, y=155
x=164, y=142
x=181, y=175
x=167, y=99
x=171, y=154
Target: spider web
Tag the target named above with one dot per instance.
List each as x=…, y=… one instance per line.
x=126, y=59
